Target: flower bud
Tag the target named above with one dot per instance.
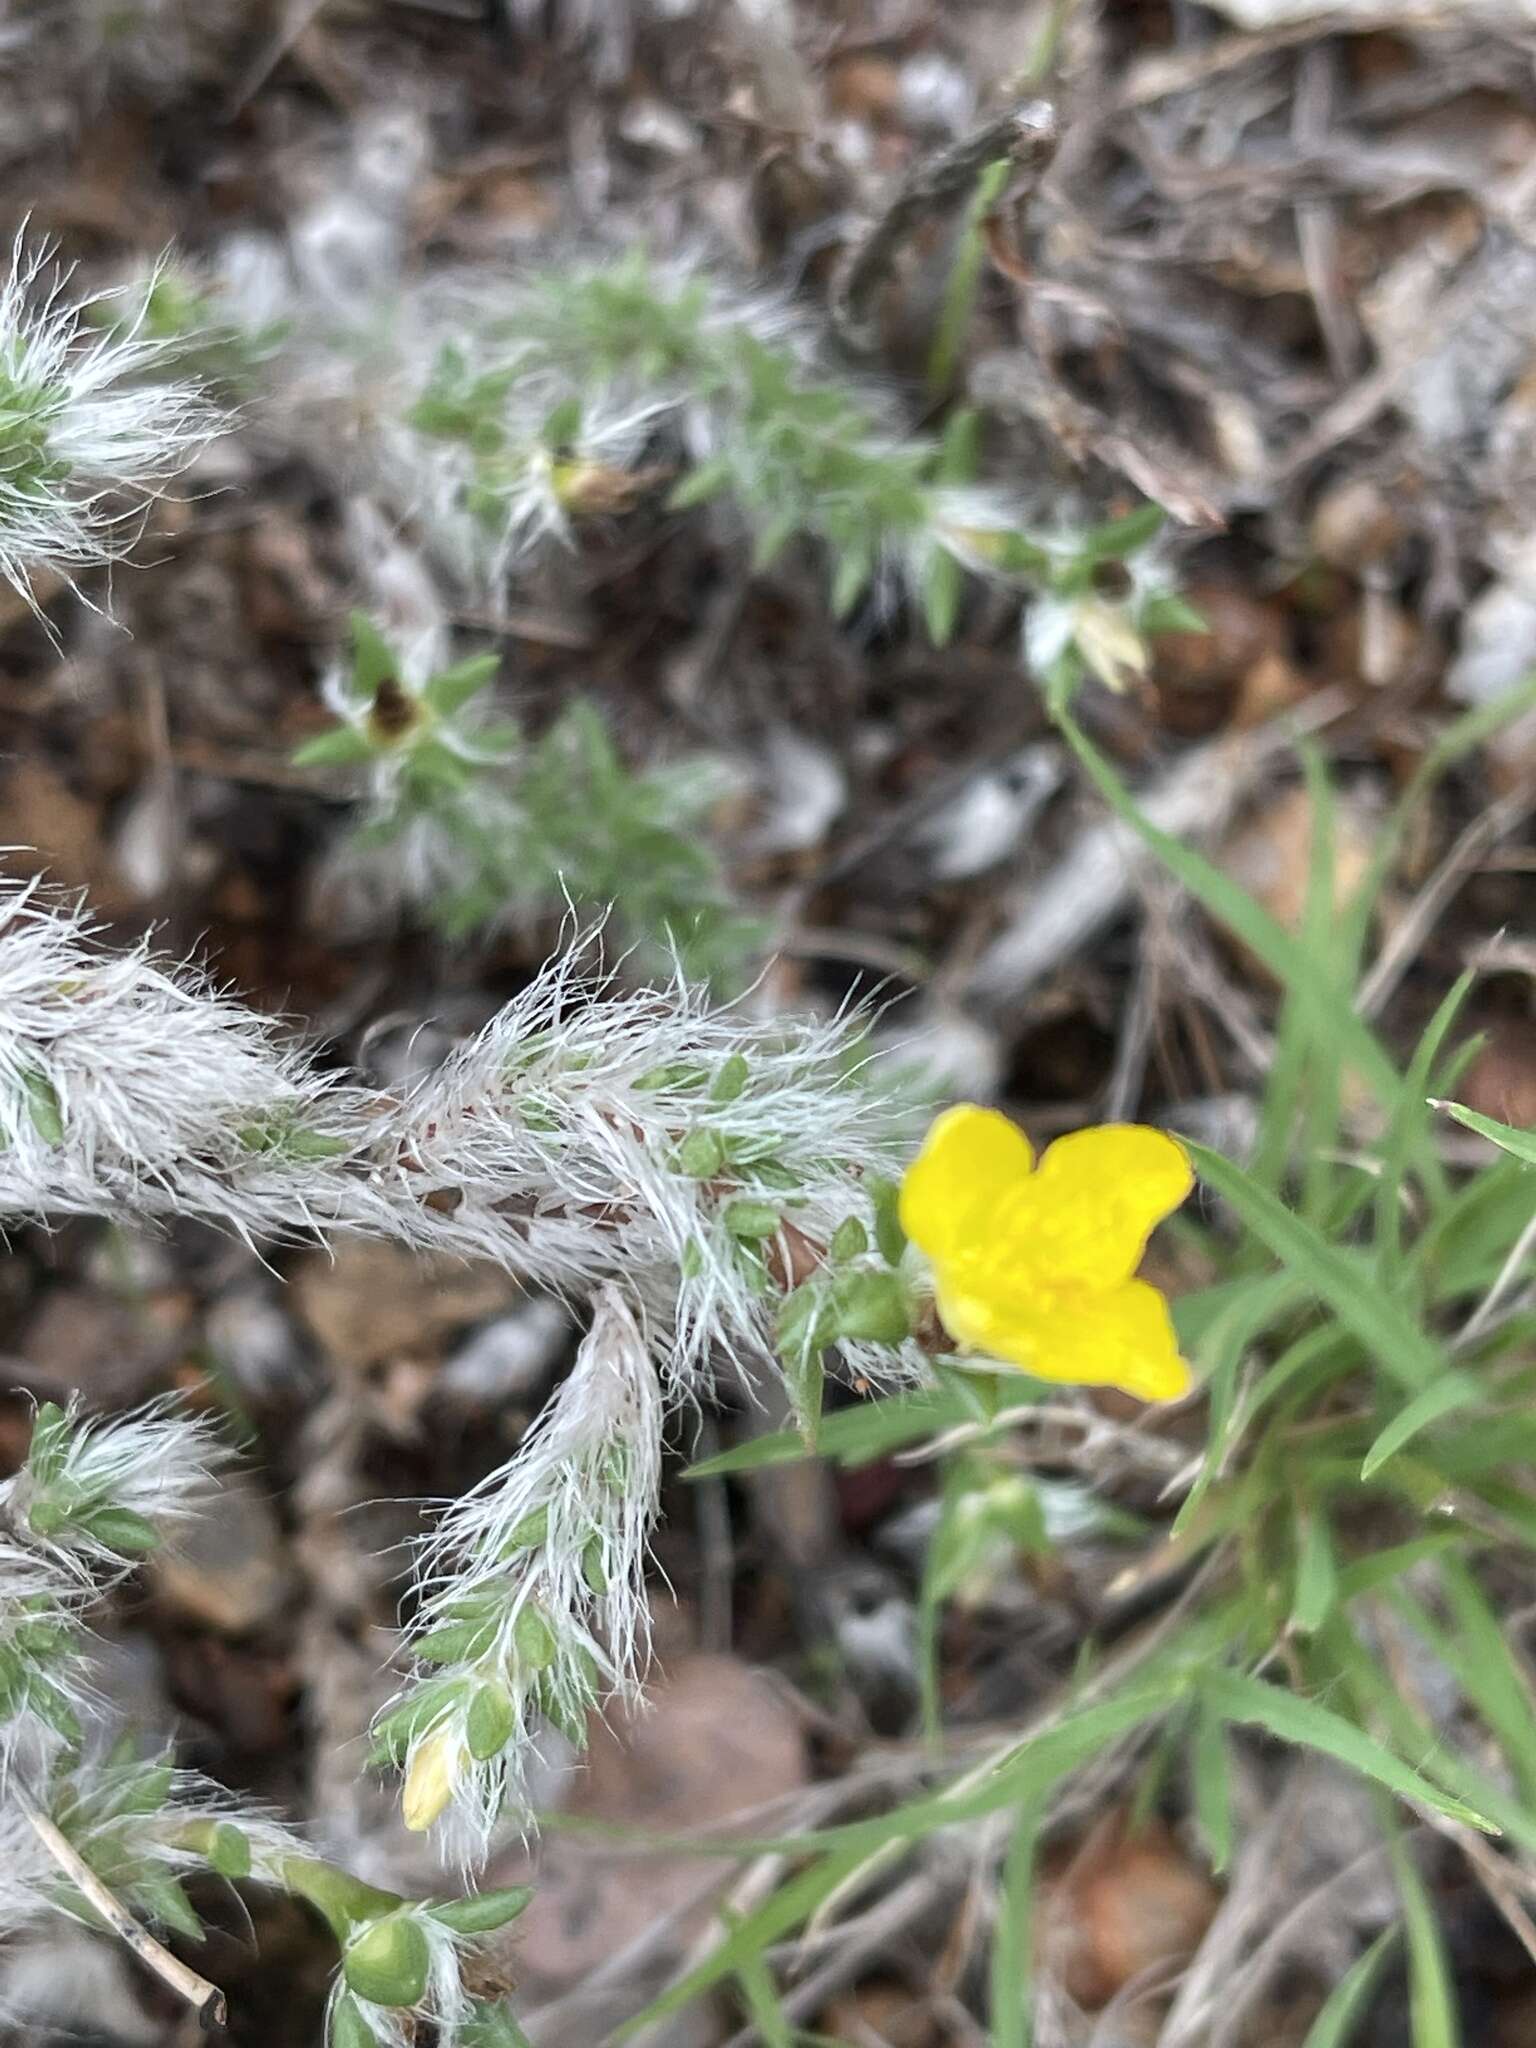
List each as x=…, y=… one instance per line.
x=430, y=1780
x=389, y=1962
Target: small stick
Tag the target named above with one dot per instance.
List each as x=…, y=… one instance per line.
x=1027, y=133
x=206, y=1999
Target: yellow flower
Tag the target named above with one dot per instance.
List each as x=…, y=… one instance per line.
x=1034, y=1264
x=433, y=1774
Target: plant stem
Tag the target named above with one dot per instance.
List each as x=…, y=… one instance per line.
x=206, y=1999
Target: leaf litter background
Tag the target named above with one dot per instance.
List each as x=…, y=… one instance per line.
x=1282, y=278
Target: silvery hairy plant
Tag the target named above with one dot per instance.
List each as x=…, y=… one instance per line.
x=91, y=425
x=94, y=1828
x=714, y=1187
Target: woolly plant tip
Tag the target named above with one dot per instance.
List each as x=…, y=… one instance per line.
x=533, y=1608
x=90, y=430
x=101, y=1492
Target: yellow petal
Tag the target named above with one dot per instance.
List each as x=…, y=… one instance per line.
x=972, y=1160
x=431, y=1778
x=1115, y=1337
x=1095, y=1199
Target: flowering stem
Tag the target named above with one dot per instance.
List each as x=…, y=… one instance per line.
x=206, y=1999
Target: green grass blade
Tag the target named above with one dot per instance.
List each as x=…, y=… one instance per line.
x=1451, y=1391
x=1432, y=2021
x=1343, y=1281
x=1330, y=1016
x=1410, y=1125
x=1304, y=1724
x=1013, y=1939
x=1519, y=1144
x=1349, y=1999
x=1211, y=1775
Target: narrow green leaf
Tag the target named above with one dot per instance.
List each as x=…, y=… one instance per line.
x=373, y=659
x=1305, y=1724
x=1340, y=1279
x=1211, y=1772
x=1452, y=1390
x=1350, y=1998
x=1285, y=956
x=484, y=1912
x=341, y=747
x=1317, y=1578
x=1010, y=1999
x=1432, y=2021
x=1519, y=1144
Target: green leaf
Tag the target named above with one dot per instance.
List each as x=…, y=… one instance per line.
x=229, y=1852
x=850, y=1240
x=489, y=1723
x=120, y=1529
x=51, y=1434
x=1117, y=538
x=885, y=1198
x=1211, y=1771
x=1304, y=1724
x=1520, y=1144
x=43, y=1107
x=533, y=1639
x=1317, y=1578
x=853, y=1436
x=870, y=1307
x=1339, y=1278
x=492, y=2026
x=943, y=587
x=165, y=1900
x=750, y=1220
x=701, y=1155
x=1451, y=1391
x=1331, y=1014
x=484, y=1912
x=373, y=659
x=1432, y=2019
x=731, y=1078
x=1009, y=1970
x=1350, y=1998
x=450, y=690
x=341, y=747
x=346, y=2027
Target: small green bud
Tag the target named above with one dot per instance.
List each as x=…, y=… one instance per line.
x=389, y=1962
x=592, y=1566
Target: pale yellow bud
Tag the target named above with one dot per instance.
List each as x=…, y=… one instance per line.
x=1109, y=643
x=431, y=1778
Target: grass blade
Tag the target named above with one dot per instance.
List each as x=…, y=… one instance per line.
x=1304, y=1724
x=1347, y=2003
x=1344, y=1282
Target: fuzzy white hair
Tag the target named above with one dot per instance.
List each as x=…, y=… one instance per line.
x=89, y=429
x=556, y=1142
x=158, y=1463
